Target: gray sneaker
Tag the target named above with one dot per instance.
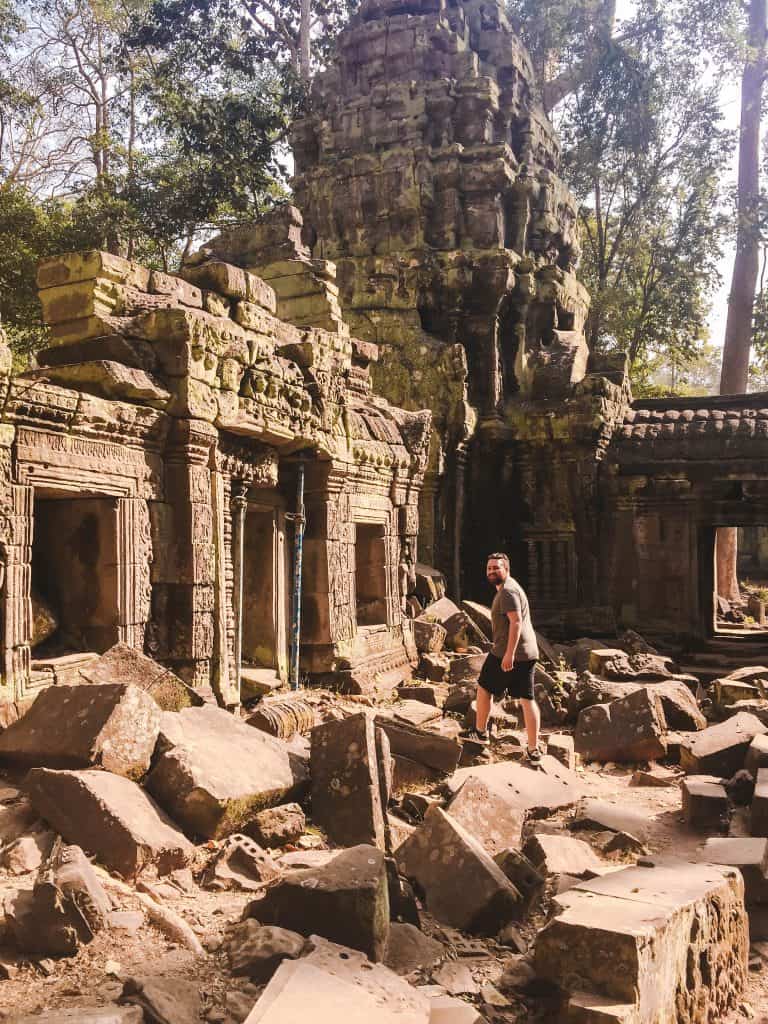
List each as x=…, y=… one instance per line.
x=475, y=736
x=533, y=756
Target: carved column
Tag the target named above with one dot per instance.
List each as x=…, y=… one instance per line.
x=135, y=556
x=186, y=570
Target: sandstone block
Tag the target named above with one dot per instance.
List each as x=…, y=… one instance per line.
x=415, y=712
x=491, y=813
x=460, y=629
x=562, y=855
x=561, y=747
x=111, y=817
x=115, y=726
x=86, y=1015
x=240, y=864
x=705, y=804
x=428, y=636
x=346, y=798
x=540, y=792
x=277, y=826
x=232, y=282
x=220, y=771
x=612, y=663
x=434, y=666
x=671, y=939
x=409, y=949
x=465, y=668
x=346, y=901
x=256, y=950
x=758, y=816
x=480, y=615
x=428, y=748
x=630, y=729
x=125, y=665
x=177, y=287
x=750, y=856
x=721, y=749
x=757, y=755
x=84, y=266
x=424, y=693
x=599, y=814
x=463, y=885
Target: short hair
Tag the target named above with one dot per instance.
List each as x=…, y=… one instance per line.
x=498, y=556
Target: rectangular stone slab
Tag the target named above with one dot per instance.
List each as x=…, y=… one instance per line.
x=463, y=886
x=705, y=803
x=124, y=664
x=490, y=813
x=721, y=749
x=758, y=814
x=428, y=748
x=630, y=729
x=115, y=726
x=219, y=771
x=540, y=792
x=750, y=856
x=670, y=939
x=346, y=797
x=109, y=816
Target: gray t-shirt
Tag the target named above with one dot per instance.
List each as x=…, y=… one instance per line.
x=511, y=598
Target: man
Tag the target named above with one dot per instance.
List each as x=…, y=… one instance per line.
x=511, y=662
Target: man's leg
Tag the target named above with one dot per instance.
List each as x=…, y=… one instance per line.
x=484, y=702
x=532, y=718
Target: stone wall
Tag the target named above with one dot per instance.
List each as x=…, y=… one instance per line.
x=167, y=405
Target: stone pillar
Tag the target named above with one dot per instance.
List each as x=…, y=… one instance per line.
x=17, y=590
x=184, y=573
x=135, y=555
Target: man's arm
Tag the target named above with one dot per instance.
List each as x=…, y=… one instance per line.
x=512, y=640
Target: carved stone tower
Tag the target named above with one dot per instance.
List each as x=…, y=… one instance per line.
x=427, y=171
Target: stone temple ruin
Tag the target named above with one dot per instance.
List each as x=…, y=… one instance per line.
x=407, y=340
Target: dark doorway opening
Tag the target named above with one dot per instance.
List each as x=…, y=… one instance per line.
x=75, y=575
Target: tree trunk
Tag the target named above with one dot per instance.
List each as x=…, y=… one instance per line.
x=305, y=68
x=734, y=376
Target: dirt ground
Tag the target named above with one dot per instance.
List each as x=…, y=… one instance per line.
x=94, y=976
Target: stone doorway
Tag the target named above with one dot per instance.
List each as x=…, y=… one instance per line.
x=744, y=620
x=75, y=578
x=370, y=574
x=265, y=591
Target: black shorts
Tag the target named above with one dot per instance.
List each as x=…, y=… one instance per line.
x=518, y=682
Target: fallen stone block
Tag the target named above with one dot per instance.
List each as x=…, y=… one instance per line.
x=561, y=747
x=491, y=813
x=346, y=901
x=740, y=788
x=429, y=636
x=465, y=668
x=611, y=663
x=346, y=795
x=415, y=713
x=757, y=755
x=283, y=717
x=540, y=792
x=480, y=615
x=429, y=748
x=586, y=1008
x=562, y=855
x=409, y=949
x=421, y=692
x=26, y=853
x=221, y=771
x=460, y=698
x=705, y=804
x=277, y=826
x=240, y=864
x=658, y=777
x=758, y=815
x=123, y=664
x=599, y=814
x=462, y=884
x=670, y=940
x=630, y=729
x=750, y=856
x=66, y=907
x=526, y=878
x=175, y=1000
x=434, y=667
x=334, y=996
x=728, y=691
x=111, y=817
x=114, y=726
x=460, y=629
x=721, y=749
x=256, y=951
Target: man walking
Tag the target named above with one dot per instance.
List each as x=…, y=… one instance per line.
x=511, y=662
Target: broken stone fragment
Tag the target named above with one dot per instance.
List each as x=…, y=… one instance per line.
x=434, y=667
x=256, y=950
x=599, y=814
x=429, y=636
x=758, y=815
x=757, y=755
x=462, y=884
x=86, y=1015
x=615, y=664
x=114, y=726
x=125, y=665
x=562, y=855
x=346, y=794
x=26, y=853
x=721, y=749
x=16, y=819
x=345, y=900
x=171, y=1000
x=491, y=812
x=630, y=729
x=440, y=753
x=111, y=817
x=409, y=949
x=670, y=940
x=220, y=771
x=560, y=746
x=240, y=864
x=277, y=826
x=705, y=804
